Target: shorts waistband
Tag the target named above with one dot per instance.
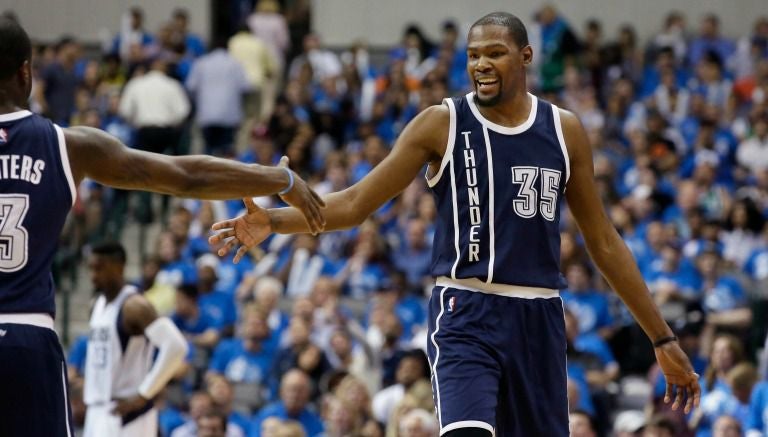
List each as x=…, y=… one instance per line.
x=41, y=320
x=519, y=291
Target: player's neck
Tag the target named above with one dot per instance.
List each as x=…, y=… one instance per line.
x=8, y=102
x=111, y=292
x=511, y=111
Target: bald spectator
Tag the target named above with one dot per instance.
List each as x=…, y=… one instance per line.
x=295, y=390
x=727, y=426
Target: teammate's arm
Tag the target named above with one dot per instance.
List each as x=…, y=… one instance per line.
x=422, y=141
x=101, y=157
x=140, y=318
x=616, y=263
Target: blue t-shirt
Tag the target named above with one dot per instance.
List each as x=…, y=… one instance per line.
x=194, y=326
x=311, y=422
x=591, y=309
x=595, y=345
x=77, y=351
x=758, y=409
x=238, y=365
x=757, y=264
x=219, y=307
x=726, y=295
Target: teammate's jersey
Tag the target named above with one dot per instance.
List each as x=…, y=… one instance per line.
x=115, y=363
x=498, y=192
x=36, y=193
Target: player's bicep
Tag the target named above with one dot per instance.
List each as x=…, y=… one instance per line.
x=103, y=158
x=421, y=142
x=582, y=196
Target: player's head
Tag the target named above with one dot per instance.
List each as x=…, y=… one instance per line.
x=107, y=264
x=497, y=54
x=15, y=55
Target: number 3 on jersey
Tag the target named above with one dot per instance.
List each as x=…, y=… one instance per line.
x=13, y=236
x=527, y=202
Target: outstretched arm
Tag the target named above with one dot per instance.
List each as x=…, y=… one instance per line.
x=422, y=141
x=103, y=158
x=616, y=263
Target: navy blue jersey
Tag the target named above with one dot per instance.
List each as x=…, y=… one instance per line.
x=36, y=193
x=498, y=195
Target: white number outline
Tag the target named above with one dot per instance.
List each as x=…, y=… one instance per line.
x=550, y=184
x=10, y=226
x=525, y=204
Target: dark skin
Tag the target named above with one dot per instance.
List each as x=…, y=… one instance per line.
x=99, y=156
x=496, y=65
x=138, y=313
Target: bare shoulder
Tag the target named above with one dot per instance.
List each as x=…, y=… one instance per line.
x=138, y=313
x=573, y=132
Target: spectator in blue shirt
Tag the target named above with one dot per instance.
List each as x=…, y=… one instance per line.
x=709, y=40
x=219, y=306
x=199, y=328
x=76, y=359
x=245, y=359
x=415, y=255
x=723, y=298
x=671, y=278
x=757, y=422
x=294, y=398
x=590, y=307
x=175, y=270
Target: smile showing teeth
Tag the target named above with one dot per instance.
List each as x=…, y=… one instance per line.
x=486, y=81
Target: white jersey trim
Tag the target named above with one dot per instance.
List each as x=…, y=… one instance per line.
x=491, y=203
x=561, y=140
x=41, y=320
x=476, y=285
x=454, y=198
x=437, y=357
x=66, y=397
x=13, y=116
x=65, y=163
x=504, y=129
x=448, y=155
x=468, y=424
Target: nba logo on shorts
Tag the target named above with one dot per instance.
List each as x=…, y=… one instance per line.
x=451, y=303
x=3, y=136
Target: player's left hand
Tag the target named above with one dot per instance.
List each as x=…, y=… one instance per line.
x=247, y=230
x=126, y=406
x=682, y=381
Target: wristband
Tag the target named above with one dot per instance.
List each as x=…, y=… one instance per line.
x=290, y=182
x=663, y=341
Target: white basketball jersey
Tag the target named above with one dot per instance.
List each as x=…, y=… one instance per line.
x=114, y=366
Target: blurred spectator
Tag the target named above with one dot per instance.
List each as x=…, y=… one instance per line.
x=558, y=45
x=58, y=83
x=419, y=423
x=322, y=63
x=193, y=44
x=132, y=41
x=219, y=306
x=294, y=396
x=753, y=151
x=581, y=424
x=727, y=426
x=196, y=324
x=709, y=40
x=660, y=426
x=588, y=305
x=672, y=36
x=248, y=357
x=629, y=423
x=218, y=102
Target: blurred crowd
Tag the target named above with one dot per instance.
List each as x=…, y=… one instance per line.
x=324, y=335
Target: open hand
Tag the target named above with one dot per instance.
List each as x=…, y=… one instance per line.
x=305, y=200
x=247, y=230
x=682, y=381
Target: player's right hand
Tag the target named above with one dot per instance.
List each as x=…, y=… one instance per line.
x=247, y=230
x=305, y=200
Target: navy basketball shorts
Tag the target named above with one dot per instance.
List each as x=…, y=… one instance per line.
x=33, y=389
x=498, y=362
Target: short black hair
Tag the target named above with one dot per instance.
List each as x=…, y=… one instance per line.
x=513, y=24
x=189, y=290
x=15, y=47
x=112, y=250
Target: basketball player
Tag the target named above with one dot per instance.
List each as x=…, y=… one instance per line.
x=40, y=167
x=500, y=160
x=120, y=376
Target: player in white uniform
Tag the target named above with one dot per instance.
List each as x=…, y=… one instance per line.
x=120, y=377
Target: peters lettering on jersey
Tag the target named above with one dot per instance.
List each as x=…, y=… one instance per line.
x=498, y=192
x=36, y=192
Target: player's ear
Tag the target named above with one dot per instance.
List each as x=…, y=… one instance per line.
x=527, y=54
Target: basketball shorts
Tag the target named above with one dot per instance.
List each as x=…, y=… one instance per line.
x=498, y=360
x=99, y=421
x=33, y=390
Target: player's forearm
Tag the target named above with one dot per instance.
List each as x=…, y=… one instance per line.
x=340, y=213
x=213, y=178
x=615, y=261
